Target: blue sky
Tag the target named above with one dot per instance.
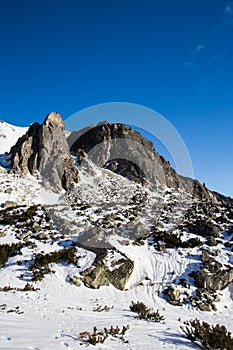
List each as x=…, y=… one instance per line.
x=173, y=56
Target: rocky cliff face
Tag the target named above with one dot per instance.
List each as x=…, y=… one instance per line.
x=124, y=151
x=43, y=151
x=121, y=149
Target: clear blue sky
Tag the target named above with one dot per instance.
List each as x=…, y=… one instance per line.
x=174, y=56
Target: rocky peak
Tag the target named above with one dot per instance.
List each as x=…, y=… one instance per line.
x=43, y=151
x=108, y=145
x=53, y=120
x=123, y=150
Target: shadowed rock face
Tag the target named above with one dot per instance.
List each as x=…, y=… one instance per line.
x=213, y=275
x=43, y=151
x=126, y=152
x=123, y=151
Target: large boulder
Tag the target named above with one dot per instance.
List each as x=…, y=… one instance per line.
x=213, y=275
x=217, y=280
x=100, y=274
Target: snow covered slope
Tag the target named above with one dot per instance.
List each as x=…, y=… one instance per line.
x=75, y=260
x=9, y=134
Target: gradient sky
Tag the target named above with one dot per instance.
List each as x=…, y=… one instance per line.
x=174, y=56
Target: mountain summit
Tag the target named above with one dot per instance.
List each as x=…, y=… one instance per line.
x=43, y=151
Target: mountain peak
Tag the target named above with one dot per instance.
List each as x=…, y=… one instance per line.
x=53, y=120
x=43, y=151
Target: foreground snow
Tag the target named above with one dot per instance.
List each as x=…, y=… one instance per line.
x=54, y=316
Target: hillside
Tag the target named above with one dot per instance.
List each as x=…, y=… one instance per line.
x=74, y=258
x=9, y=134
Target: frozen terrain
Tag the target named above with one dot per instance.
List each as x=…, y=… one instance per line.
x=9, y=134
x=54, y=315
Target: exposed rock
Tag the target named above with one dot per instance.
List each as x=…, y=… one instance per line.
x=10, y=204
x=119, y=277
x=76, y=281
x=36, y=227
x=203, y=228
x=214, y=276
x=173, y=295
x=124, y=151
x=211, y=241
x=43, y=151
x=98, y=274
x=74, y=135
x=127, y=169
x=206, y=257
x=204, y=307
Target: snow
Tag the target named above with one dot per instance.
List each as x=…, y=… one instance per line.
x=9, y=134
x=52, y=318
x=55, y=315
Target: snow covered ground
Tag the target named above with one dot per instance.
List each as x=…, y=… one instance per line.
x=52, y=317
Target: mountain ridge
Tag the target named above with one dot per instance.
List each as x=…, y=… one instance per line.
x=81, y=142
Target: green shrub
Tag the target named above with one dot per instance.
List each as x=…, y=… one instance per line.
x=27, y=288
x=7, y=219
x=101, y=308
x=172, y=240
x=28, y=214
x=8, y=250
x=99, y=337
x=144, y=312
x=40, y=265
x=208, y=336
x=9, y=216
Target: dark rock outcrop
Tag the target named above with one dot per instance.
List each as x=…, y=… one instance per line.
x=122, y=150
x=125, y=151
x=43, y=151
x=173, y=295
x=99, y=274
x=203, y=228
x=213, y=275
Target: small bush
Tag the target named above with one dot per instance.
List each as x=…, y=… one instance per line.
x=145, y=313
x=101, y=308
x=9, y=217
x=40, y=265
x=27, y=288
x=8, y=250
x=209, y=337
x=173, y=240
x=99, y=337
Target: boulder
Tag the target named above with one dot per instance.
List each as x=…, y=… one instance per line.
x=214, y=277
x=173, y=295
x=99, y=274
x=10, y=204
x=204, y=307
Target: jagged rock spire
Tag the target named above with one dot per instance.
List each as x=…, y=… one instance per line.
x=43, y=151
